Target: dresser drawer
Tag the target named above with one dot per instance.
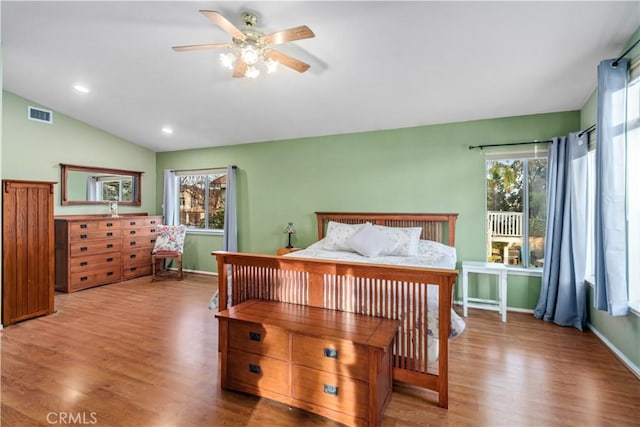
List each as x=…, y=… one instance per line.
x=87, y=279
x=333, y=355
x=332, y=391
x=137, y=242
x=259, y=339
x=81, y=264
x=75, y=227
x=83, y=236
x=129, y=271
x=94, y=247
x=153, y=221
x=258, y=372
x=136, y=256
x=140, y=231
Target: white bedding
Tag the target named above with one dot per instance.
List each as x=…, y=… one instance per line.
x=430, y=255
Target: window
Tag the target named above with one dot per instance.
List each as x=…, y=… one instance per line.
x=633, y=178
x=117, y=188
x=201, y=199
x=633, y=197
x=516, y=208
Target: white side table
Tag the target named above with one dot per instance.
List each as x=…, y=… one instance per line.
x=500, y=271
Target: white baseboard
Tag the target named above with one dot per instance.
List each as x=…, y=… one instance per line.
x=514, y=309
x=624, y=359
x=186, y=270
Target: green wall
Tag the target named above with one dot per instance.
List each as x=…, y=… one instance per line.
x=32, y=150
x=622, y=332
x=421, y=169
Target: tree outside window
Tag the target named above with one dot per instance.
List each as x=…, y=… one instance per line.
x=516, y=211
x=202, y=200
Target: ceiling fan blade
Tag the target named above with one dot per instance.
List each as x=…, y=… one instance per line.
x=286, y=60
x=222, y=22
x=201, y=47
x=241, y=68
x=285, y=36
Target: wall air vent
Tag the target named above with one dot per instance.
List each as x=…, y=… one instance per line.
x=40, y=115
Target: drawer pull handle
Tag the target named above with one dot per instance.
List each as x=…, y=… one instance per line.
x=153, y=230
x=83, y=263
x=330, y=353
x=153, y=221
x=132, y=243
x=132, y=232
x=153, y=240
x=109, y=224
x=84, y=249
x=133, y=268
x=83, y=225
x=109, y=245
x=254, y=336
x=109, y=273
x=109, y=234
x=83, y=236
x=254, y=369
x=109, y=259
x=83, y=278
x=132, y=256
x=331, y=389
x=132, y=223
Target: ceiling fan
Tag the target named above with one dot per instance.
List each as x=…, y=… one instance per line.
x=251, y=45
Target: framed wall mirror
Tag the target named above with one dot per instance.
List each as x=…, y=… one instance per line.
x=88, y=185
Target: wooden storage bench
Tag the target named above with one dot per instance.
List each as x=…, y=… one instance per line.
x=335, y=364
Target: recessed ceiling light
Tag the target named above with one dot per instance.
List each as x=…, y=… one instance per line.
x=167, y=130
x=81, y=88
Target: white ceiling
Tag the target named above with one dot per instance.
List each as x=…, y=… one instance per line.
x=374, y=65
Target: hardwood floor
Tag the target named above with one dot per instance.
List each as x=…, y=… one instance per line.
x=145, y=354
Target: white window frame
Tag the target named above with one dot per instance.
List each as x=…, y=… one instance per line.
x=208, y=174
x=539, y=151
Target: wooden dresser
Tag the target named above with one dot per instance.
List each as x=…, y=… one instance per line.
x=96, y=250
x=332, y=363
x=27, y=250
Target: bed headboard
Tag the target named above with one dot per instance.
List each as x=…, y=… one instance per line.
x=439, y=227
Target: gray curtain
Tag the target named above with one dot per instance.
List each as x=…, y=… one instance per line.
x=94, y=188
x=230, y=242
x=230, y=238
x=563, y=294
x=610, y=219
x=170, y=198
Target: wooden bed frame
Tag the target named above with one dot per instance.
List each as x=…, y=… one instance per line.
x=370, y=289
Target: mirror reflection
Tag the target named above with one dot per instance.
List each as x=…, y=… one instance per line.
x=89, y=185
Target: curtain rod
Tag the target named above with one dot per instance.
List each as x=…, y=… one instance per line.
x=199, y=169
x=587, y=130
x=615, y=63
x=509, y=143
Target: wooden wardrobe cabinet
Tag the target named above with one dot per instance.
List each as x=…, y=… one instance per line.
x=27, y=250
x=96, y=250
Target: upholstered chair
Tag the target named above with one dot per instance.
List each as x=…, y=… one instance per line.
x=169, y=245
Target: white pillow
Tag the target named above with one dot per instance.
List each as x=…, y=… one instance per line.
x=437, y=254
x=403, y=240
x=338, y=235
x=368, y=241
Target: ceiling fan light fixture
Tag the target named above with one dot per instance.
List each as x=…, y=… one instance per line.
x=272, y=66
x=227, y=59
x=249, y=55
x=252, y=72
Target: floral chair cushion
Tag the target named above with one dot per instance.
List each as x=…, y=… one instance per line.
x=170, y=239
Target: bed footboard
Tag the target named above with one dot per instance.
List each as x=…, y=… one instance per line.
x=393, y=292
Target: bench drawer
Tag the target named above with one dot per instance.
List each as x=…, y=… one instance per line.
x=259, y=372
x=260, y=339
x=332, y=355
